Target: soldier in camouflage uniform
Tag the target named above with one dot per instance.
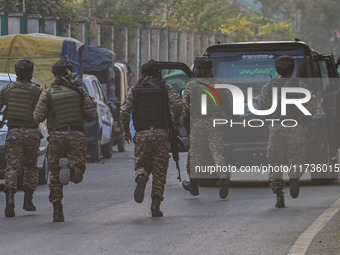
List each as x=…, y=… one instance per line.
x=65, y=105
x=149, y=102
x=23, y=138
x=286, y=145
x=201, y=133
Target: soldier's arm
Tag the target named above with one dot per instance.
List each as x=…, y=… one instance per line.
x=125, y=110
x=41, y=110
x=186, y=101
x=3, y=93
x=175, y=103
x=263, y=103
x=90, y=112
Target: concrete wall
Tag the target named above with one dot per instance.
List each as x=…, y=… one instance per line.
x=136, y=45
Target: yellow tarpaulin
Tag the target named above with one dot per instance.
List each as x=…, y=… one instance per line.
x=43, y=50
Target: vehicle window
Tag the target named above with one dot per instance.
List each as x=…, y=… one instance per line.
x=100, y=90
x=96, y=91
x=175, y=78
x=259, y=67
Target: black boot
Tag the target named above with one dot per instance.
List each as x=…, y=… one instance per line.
x=155, y=211
x=58, y=214
x=28, y=204
x=140, y=189
x=294, y=187
x=224, y=189
x=194, y=187
x=186, y=185
x=9, y=211
x=280, y=200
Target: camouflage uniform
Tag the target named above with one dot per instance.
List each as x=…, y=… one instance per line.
x=70, y=144
x=22, y=146
x=286, y=146
x=202, y=133
x=151, y=146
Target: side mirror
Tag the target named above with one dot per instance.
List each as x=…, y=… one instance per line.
x=181, y=93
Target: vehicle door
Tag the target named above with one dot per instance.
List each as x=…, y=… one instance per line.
x=331, y=103
x=177, y=75
x=104, y=112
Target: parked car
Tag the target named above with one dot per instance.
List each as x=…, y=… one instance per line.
x=42, y=160
x=98, y=132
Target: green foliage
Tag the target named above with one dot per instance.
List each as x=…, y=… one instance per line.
x=65, y=10
x=314, y=20
x=277, y=30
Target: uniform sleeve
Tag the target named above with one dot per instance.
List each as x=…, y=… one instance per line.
x=90, y=112
x=186, y=101
x=41, y=110
x=2, y=102
x=125, y=111
x=263, y=103
x=175, y=103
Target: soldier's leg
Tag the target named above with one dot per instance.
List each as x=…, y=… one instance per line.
x=14, y=157
x=143, y=163
x=57, y=150
x=276, y=157
x=160, y=166
x=143, y=156
x=297, y=152
x=187, y=184
x=31, y=153
x=76, y=155
x=297, y=157
x=195, y=154
x=216, y=147
x=159, y=171
x=31, y=175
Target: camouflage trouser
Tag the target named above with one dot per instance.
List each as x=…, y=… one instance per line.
x=22, y=150
x=287, y=147
x=201, y=136
x=152, y=157
x=73, y=146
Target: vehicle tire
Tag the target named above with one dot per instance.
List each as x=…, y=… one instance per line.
x=20, y=182
x=207, y=182
x=121, y=145
x=107, y=150
x=94, y=152
x=44, y=172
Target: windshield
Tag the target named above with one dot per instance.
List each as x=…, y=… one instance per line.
x=254, y=66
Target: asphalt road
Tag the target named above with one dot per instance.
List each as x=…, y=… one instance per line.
x=102, y=217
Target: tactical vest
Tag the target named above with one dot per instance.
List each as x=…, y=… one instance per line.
x=65, y=109
x=151, y=106
x=292, y=112
x=21, y=102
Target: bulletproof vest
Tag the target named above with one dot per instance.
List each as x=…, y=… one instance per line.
x=292, y=112
x=65, y=105
x=21, y=102
x=151, y=106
